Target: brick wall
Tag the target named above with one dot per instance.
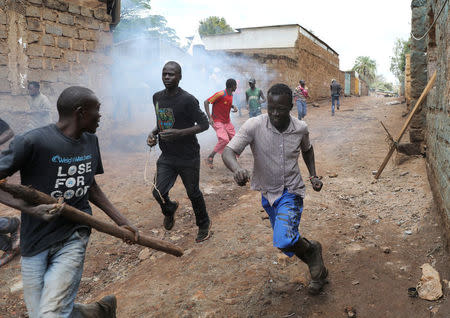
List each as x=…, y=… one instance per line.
x=57, y=43
x=437, y=121
x=307, y=61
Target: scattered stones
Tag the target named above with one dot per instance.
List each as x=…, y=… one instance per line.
x=386, y=249
x=355, y=282
x=356, y=226
x=374, y=172
x=398, y=189
x=408, y=232
x=350, y=311
x=404, y=173
x=333, y=175
x=144, y=254
x=283, y=259
x=412, y=292
x=429, y=287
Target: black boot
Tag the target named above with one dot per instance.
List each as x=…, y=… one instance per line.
x=310, y=252
x=104, y=308
x=169, y=208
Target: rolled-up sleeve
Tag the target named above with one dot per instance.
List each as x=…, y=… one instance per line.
x=244, y=137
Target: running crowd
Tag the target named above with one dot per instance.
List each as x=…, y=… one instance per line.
x=62, y=159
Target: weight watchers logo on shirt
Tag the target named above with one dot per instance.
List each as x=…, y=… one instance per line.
x=70, y=177
x=59, y=159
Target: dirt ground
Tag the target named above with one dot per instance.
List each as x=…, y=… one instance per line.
x=375, y=235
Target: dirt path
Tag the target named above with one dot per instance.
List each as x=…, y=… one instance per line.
x=237, y=273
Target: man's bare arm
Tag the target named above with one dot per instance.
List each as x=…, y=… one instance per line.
x=308, y=157
x=97, y=197
x=241, y=176
x=262, y=96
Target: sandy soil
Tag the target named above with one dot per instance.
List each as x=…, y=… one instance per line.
x=375, y=235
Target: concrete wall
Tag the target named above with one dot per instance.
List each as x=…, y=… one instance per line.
x=308, y=59
x=438, y=110
x=254, y=38
x=57, y=43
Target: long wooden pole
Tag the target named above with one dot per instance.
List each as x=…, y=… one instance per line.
x=406, y=124
x=35, y=197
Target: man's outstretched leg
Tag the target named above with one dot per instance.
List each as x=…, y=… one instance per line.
x=190, y=177
x=164, y=180
x=285, y=215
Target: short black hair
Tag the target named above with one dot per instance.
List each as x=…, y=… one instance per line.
x=34, y=84
x=71, y=98
x=175, y=64
x=230, y=83
x=280, y=89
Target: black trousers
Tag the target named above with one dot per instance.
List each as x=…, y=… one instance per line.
x=167, y=172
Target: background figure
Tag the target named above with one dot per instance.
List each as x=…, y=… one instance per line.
x=9, y=243
x=300, y=96
x=219, y=119
x=254, y=97
x=40, y=107
x=335, y=89
x=8, y=225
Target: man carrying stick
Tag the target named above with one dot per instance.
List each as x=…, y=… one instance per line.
x=276, y=139
x=61, y=160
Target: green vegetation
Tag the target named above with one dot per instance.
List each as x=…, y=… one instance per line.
x=398, y=61
x=214, y=25
x=136, y=21
x=366, y=67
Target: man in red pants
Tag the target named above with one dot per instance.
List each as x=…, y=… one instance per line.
x=219, y=119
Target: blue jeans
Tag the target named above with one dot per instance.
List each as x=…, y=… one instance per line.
x=284, y=215
x=333, y=99
x=301, y=108
x=254, y=113
x=52, y=277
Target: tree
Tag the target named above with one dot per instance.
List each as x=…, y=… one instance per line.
x=366, y=67
x=398, y=61
x=214, y=25
x=136, y=21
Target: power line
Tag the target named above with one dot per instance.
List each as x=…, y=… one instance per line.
x=420, y=38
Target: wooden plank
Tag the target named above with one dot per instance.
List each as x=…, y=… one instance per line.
x=35, y=197
x=406, y=124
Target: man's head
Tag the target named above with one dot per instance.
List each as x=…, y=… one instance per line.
x=279, y=105
x=302, y=83
x=81, y=106
x=231, y=85
x=171, y=74
x=33, y=88
x=333, y=80
x=252, y=83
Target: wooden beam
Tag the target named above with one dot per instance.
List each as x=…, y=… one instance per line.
x=406, y=124
x=35, y=197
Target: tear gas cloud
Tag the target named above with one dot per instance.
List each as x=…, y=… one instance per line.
x=128, y=115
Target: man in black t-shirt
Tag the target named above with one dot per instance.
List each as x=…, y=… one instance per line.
x=179, y=119
x=61, y=160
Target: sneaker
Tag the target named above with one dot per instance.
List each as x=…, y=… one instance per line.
x=109, y=306
x=203, y=233
x=169, y=220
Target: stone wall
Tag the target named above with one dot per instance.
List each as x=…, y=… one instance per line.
x=57, y=43
x=307, y=61
x=437, y=110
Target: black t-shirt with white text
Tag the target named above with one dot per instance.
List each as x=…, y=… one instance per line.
x=178, y=112
x=57, y=165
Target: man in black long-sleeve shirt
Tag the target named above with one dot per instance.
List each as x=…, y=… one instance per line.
x=335, y=89
x=179, y=119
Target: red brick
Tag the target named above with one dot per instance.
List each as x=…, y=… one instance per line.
x=52, y=52
x=33, y=37
x=48, y=40
x=35, y=50
x=70, y=56
x=3, y=19
x=34, y=24
x=49, y=15
x=66, y=18
x=32, y=11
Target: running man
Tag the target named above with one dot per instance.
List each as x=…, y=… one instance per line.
x=254, y=97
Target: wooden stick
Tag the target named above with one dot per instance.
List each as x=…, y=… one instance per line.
x=35, y=197
x=406, y=124
x=387, y=132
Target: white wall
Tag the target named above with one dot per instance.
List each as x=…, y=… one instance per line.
x=254, y=38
